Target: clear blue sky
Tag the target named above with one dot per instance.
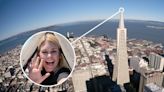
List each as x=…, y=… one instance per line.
x=17, y=16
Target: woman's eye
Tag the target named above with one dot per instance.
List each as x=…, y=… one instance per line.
x=54, y=51
x=44, y=52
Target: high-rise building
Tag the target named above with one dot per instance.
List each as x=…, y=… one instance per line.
x=121, y=72
x=150, y=77
x=156, y=61
x=134, y=63
x=79, y=79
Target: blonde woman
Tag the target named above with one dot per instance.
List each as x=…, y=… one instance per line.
x=46, y=68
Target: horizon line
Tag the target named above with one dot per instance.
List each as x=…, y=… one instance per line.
x=72, y=22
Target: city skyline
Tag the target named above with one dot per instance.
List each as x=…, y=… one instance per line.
x=19, y=16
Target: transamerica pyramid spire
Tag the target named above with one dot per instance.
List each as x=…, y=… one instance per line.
x=121, y=72
x=121, y=23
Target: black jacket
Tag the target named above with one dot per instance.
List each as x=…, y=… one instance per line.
x=52, y=79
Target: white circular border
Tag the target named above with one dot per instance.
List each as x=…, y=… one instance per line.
x=121, y=9
x=67, y=76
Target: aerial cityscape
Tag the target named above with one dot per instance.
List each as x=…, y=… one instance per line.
x=102, y=65
x=123, y=52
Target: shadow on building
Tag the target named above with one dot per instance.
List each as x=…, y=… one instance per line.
x=102, y=84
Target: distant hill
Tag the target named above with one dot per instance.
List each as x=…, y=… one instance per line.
x=138, y=29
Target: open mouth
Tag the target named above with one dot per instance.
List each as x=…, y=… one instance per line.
x=50, y=63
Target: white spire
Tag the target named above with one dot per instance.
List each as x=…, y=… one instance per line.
x=121, y=72
x=121, y=23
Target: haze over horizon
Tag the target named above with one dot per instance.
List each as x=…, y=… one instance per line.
x=18, y=16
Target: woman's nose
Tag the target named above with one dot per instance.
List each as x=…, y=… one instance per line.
x=49, y=55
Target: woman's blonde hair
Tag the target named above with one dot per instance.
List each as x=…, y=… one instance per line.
x=50, y=37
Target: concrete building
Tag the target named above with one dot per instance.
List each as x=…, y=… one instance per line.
x=135, y=63
x=79, y=79
x=151, y=87
x=121, y=73
x=150, y=77
x=156, y=61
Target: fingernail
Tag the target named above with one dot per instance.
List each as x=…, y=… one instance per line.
x=47, y=74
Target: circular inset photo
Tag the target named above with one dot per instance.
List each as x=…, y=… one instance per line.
x=47, y=58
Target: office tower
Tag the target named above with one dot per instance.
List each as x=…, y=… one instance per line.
x=121, y=72
x=156, y=61
x=135, y=63
x=79, y=78
x=68, y=35
x=150, y=77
